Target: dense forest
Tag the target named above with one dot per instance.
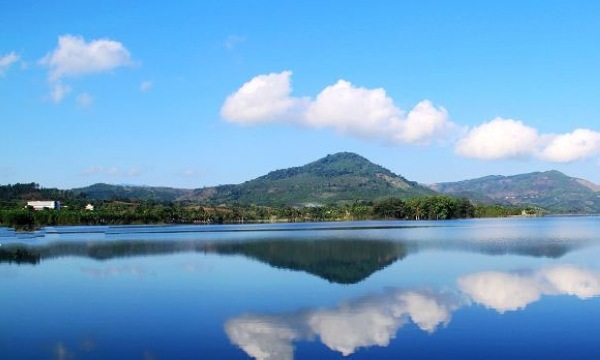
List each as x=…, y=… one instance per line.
x=15, y=213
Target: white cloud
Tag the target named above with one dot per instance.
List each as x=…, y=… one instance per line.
x=7, y=61
x=499, y=139
x=425, y=122
x=577, y=145
x=353, y=110
x=85, y=100
x=146, y=85
x=508, y=138
x=75, y=57
x=263, y=99
x=371, y=114
x=59, y=91
x=343, y=107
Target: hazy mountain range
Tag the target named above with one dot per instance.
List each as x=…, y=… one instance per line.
x=348, y=177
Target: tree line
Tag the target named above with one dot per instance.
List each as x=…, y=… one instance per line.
x=432, y=207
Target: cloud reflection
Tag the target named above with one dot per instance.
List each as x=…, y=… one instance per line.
x=376, y=319
x=263, y=337
x=513, y=291
x=371, y=321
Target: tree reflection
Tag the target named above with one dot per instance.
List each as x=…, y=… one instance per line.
x=339, y=261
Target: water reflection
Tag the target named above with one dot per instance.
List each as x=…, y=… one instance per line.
x=369, y=321
x=339, y=261
x=513, y=291
x=375, y=320
x=345, y=254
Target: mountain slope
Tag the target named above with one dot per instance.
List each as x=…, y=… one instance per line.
x=551, y=190
x=337, y=178
x=109, y=192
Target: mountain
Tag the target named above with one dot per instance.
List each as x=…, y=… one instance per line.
x=551, y=190
x=338, y=178
x=109, y=192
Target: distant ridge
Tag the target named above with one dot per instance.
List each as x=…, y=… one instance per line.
x=339, y=178
x=551, y=190
x=347, y=177
x=101, y=191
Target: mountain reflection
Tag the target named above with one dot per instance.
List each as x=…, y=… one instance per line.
x=339, y=261
x=345, y=254
x=375, y=320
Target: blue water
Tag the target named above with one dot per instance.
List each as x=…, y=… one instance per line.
x=470, y=289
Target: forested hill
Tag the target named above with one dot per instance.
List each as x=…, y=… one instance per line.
x=551, y=190
x=17, y=194
x=102, y=191
x=338, y=178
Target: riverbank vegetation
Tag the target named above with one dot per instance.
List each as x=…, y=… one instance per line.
x=123, y=212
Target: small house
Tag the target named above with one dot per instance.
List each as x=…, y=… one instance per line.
x=41, y=205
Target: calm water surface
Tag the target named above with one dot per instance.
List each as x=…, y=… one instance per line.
x=471, y=289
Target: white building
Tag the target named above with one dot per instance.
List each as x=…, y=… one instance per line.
x=41, y=205
x=89, y=207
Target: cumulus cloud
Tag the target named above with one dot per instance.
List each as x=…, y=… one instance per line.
x=513, y=291
x=577, y=145
x=498, y=139
x=75, y=57
x=7, y=61
x=343, y=107
x=265, y=98
x=371, y=114
x=508, y=138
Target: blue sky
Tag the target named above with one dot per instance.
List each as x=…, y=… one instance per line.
x=204, y=93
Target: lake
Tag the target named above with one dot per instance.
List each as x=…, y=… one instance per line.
x=523, y=288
